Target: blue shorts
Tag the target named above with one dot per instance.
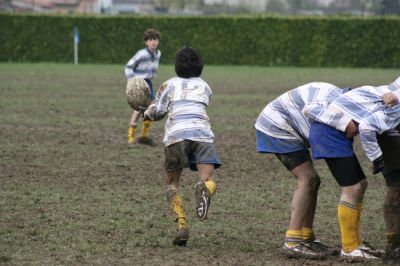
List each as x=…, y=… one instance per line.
x=268, y=144
x=328, y=142
x=189, y=153
x=152, y=94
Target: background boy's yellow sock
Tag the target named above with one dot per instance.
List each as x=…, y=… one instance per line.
x=349, y=224
x=131, y=134
x=145, y=128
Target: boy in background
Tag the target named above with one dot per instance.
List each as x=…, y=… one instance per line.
x=144, y=64
x=188, y=137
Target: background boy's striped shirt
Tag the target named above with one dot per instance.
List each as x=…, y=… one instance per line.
x=143, y=64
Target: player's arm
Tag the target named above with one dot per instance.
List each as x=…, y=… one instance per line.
x=328, y=115
x=159, y=109
x=377, y=123
x=131, y=66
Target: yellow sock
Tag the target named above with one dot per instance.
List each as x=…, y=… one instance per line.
x=131, y=134
x=145, y=128
x=211, y=186
x=308, y=233
x=349, y=223
x=177, y=207
x=293, y=237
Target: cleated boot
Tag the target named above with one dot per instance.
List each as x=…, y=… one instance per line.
x=365, y=246
x=303, y=250
x=181, y=237
x=146, y=141
x=357, y=255
x=317, y=245
x=392, y=254
x=202, y=200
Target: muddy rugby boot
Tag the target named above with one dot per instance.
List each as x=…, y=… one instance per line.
x=303, y=250
x=317, y=245
x=357, y=255
x=202, y=200
x=392, y=254
x=365, y=246
x=146, y=141
x=181, y=237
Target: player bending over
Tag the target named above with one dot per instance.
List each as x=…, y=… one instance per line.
x=282, y=129
x=188, y=137
x=361, y=110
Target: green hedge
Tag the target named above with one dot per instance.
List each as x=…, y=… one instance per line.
x=277, y=41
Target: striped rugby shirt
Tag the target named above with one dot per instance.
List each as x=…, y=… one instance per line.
x=364, y=105
x=185, y=100
x=283, y=118
x=143, y=64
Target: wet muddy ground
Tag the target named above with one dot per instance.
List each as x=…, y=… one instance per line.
x=73, y=192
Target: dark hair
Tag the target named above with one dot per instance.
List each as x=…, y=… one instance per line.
x=151, y=34
x=188, y=63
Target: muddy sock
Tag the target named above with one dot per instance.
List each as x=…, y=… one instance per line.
x=348, y=222
x=176, y=203
x=308, y=234
x=293, y=237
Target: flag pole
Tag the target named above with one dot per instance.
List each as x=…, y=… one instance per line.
x=76, y=41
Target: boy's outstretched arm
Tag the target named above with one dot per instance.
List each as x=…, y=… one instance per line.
x=153, y=114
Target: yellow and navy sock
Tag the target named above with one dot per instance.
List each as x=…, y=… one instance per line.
x=145, y=128
x=293, y=237
x=349, y=224
x=308, y=234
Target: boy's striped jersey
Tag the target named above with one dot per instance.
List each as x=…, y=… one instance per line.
x=283, y=118
x=185, y=102
x=143, y=64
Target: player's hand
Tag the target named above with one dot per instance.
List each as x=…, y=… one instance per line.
x=351, y=130
x=378, y=165
x=390, y=99
x=149, y=113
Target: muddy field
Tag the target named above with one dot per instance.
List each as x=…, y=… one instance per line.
x=73, y=192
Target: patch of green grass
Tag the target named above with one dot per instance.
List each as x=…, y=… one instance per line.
x=73, y=192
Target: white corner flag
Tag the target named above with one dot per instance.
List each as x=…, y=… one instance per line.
x=76, y=41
